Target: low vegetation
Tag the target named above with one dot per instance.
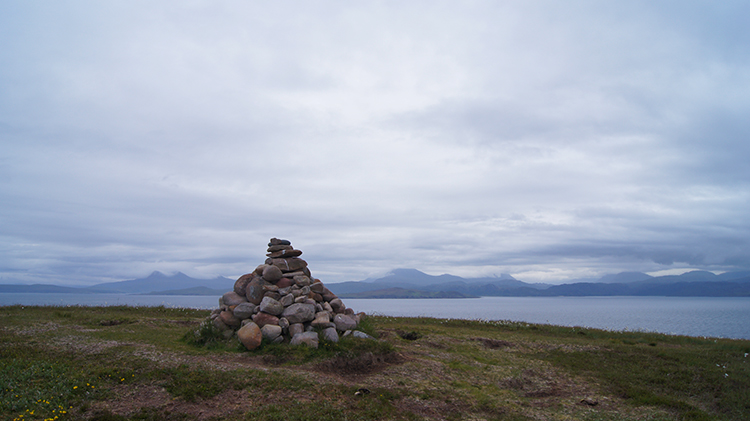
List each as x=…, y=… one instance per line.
x=155, y=363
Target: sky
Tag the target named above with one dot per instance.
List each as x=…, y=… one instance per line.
x=547, y=140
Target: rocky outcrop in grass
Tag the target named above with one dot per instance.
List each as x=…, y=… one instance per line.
x=280, y=301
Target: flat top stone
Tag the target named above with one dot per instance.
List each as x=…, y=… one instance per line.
x=278, y=242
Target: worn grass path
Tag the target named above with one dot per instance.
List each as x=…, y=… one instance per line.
x=134, y=363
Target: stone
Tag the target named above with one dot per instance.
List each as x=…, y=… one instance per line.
x=291, y=275
x=231, y=298
x=290, y=264
x=241, y=283
x=300, y=299
x=361, y=335
x=285, y=282
x=299, y=313
x=273, y=294
x=278, y=247
x=228, y=318
x=259, y=270
x=271, y=332
x=327, y=307
x=254, y=291
x=337, y=305
x=328, y=295
x=305, y=338
x=244, y=310
x=296, y=328
x=250, y=336
x=344, y=322
x=272, y=273
x=317, y=297
x=284, y=323
x=330, y=334
x=279, y=242
x=218, y=324
x=271, y=306
x=262, y=319
x=317, y=287
x=287, y=300
x=302, y=281
x=321, y=322
x=284, y=253
x=349, y=311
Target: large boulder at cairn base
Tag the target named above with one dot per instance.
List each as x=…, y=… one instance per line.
x=299, y=313
x=307, y=338
x=250, y=336
x=344, y=322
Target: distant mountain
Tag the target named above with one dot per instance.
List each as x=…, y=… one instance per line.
x=158, y=281
x=190, y=291
x=38, y=288
x=405, y=293
x=695, y=283
x=177, y=284
x=624, y=278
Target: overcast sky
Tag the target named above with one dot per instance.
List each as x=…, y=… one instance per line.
x=548, y=140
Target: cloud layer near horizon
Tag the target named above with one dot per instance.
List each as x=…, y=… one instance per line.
x=546, y=140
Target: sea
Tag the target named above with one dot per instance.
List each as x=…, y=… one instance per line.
x=718, y=317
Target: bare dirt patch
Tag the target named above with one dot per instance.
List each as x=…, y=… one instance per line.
x=132, y=399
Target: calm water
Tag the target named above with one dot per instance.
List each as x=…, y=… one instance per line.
x=693, y=316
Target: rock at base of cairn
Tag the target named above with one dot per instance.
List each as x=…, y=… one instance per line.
x=280, y=301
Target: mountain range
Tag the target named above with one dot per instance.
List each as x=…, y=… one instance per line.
x=695, y=284
x=411, y=283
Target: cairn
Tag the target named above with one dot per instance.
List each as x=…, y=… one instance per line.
x=280, y=301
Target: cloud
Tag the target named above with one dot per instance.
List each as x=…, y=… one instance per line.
x=546, y=140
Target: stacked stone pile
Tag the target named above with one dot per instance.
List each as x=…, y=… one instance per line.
x=281, y=301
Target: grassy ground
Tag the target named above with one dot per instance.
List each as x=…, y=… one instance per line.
x=146, y=363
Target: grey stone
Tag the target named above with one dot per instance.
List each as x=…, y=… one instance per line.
x=271, y=306
x=302, y=280
x=361, y=335
x=330, y=334
x=299, y=313
x=244, y=310
x=307, y=338
x=287, y=300
x=295, y=329
x=271, y=332
x=284, y=323
x=344, y=322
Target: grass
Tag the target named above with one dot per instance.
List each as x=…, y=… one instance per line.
x=148, y=363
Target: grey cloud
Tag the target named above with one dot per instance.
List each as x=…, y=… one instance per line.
x=547, y=141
